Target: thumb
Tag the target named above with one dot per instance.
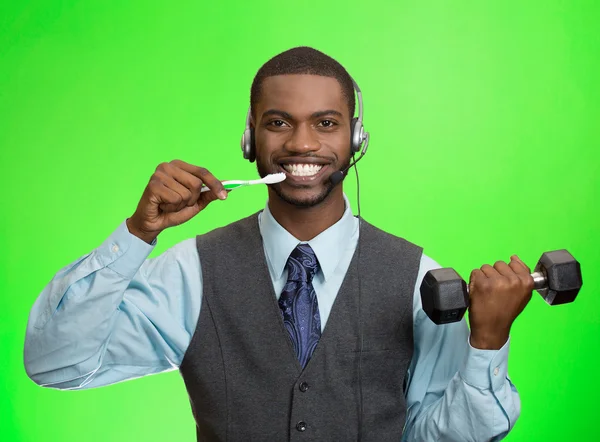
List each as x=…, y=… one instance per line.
x=182, y=216
x=206, y=198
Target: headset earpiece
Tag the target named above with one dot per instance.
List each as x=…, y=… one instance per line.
x=248, y=148
x=357, y=136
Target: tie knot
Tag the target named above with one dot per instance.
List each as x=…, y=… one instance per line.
x=302, y=264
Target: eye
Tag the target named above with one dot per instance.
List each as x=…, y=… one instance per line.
x=327, y=123
x=276, y=123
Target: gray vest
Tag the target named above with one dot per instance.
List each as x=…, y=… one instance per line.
x=240, y=370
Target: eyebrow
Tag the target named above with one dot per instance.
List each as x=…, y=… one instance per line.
x=277, y=113
x=314, y=115
x=326, y=112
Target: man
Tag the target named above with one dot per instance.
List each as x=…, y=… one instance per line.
x=297, y=322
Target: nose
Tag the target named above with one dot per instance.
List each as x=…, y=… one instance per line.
x=303, y=139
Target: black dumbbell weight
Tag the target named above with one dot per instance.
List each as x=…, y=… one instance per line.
x=445, y=295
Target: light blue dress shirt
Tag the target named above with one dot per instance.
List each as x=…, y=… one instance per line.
x=114, y=315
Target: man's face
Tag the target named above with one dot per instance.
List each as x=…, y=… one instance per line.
x=302, y=128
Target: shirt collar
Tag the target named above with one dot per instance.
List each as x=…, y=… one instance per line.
x=329, y=245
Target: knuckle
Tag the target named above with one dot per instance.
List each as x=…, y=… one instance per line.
x=155, y=183
x=499, y=264
x=514, y=284
x=501, y=284
x=196, y=183
x=202, y=170
x=527, y=283
x=174, y=198
x=169, y=168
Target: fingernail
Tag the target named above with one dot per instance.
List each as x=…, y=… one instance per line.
x=223, y=194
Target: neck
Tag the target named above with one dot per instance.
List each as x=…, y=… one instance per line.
x=304, y=223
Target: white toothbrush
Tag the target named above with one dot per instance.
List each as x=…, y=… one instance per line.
x=234, y=184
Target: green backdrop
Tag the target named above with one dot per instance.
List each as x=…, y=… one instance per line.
x=484, y=120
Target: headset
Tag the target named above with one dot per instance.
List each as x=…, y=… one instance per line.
x=359, y=142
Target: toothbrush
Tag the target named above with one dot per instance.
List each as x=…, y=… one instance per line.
x=234, y=184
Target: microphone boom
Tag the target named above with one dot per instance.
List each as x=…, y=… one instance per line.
x=338, y=176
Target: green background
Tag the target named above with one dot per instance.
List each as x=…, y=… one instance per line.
x=484, y=120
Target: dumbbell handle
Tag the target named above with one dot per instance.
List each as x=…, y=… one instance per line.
x=540, y=281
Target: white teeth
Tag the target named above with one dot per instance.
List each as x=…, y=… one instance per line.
x=303, y=169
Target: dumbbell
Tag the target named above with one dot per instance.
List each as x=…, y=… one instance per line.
x=445, y=295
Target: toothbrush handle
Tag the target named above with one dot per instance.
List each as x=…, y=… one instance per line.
x=227, y=185
x=206, y=189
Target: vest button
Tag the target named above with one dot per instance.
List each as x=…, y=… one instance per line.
x=303, y=386
x=301, y=426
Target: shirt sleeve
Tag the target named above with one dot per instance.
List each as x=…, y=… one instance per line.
x=456, y=392
x=114, y=314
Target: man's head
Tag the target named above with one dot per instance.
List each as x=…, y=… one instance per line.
x=303, y=60
x=302, y=104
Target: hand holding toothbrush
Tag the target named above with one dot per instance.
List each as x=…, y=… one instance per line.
x=177, y=192
x=172, y=197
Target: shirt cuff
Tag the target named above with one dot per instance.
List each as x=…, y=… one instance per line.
x=123, y=252
x=485, y=369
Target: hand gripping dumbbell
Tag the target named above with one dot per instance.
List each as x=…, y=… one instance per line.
x=445, y=295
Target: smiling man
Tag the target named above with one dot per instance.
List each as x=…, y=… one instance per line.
x=303, y=129
x=300, y=322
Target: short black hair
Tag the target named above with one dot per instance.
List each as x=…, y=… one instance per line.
x=303, y=60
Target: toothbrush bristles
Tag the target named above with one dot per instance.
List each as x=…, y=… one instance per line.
x=274, y=178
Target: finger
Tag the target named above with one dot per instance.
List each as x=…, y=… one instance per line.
x=519, y=266
x=505, y=270
x=169, y=200
x=185, y=193
x=475, y=278
x=489, y=271
x=476, y=275
x=207, y=178
x=522, y=271
x=206, y=198
x=182, y=216
x=191, y=182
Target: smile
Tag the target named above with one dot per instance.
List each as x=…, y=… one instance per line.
x=302, y=169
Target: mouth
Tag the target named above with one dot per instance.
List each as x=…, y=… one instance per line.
x=303, y=172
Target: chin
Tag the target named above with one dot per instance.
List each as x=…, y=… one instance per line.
x=302, y=198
